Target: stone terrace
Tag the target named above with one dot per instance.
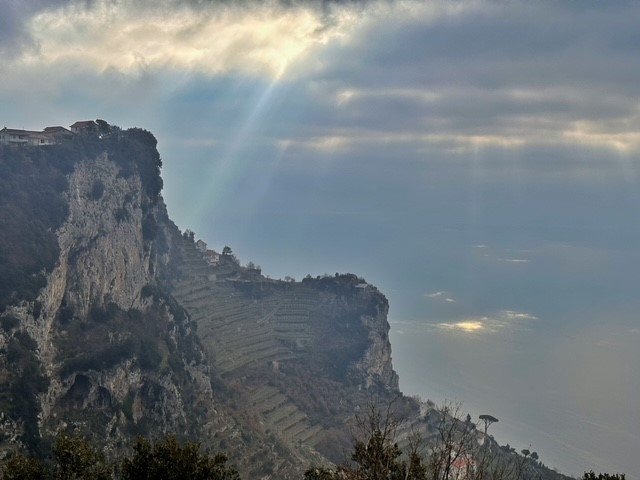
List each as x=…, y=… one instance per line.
x=239, y=333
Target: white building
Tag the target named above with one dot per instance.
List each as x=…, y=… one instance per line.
x=12, y=136
x=201, y=246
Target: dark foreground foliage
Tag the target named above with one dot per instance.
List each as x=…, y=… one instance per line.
x=603, y=476
x=75, y=459
x=454, y=454
x=171, y=461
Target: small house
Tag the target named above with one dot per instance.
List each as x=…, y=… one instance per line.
x=84, y=126
x=201, y=246
x=211, y=257
x=58, y=132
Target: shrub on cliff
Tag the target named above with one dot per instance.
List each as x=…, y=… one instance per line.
x=32, y=207
x=453, y=453
x=76, y=459
x=73, y=459
x=603, y=476
x=169, y=460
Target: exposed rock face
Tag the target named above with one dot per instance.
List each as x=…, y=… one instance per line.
x=108, y=260
x=111, y=354
x=376, y=362
x=109, y=349
x=134, y=333
x=101, y=259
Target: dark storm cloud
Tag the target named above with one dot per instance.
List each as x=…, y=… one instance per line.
x=14, y=37
x=483, y=74
x=543, y=72
x=516, y=42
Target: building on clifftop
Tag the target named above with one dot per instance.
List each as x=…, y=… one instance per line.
x=84, y=126
x=12, y=136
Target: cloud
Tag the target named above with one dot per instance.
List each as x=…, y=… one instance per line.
x=439, y=296
x=501, y=321
x=253, y=37
x=493, y=75
x=514, y=260
x=14, y=37
x=510, y=92
x=513, y=315
x=467, y=326
x=434, y=294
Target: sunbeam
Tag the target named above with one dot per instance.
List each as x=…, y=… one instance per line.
x=224, y=171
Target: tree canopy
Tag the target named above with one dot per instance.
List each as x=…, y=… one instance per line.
x=76, y=459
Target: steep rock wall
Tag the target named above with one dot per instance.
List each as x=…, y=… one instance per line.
x=110, y=354
x=376, y=365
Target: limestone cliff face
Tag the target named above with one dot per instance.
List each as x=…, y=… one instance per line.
x=133, y=333
x=101, y=259
x=102, y=247
x=108, y=352
x=376, y=365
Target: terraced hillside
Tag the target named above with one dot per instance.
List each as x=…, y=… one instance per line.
x=294, y=352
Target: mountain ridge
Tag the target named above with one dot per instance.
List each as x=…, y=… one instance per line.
x=123, y=329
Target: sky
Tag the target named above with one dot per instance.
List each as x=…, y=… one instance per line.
x=476, y=160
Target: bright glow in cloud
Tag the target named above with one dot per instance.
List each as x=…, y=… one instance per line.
x=440, y=97
x=450, y=142
x=595, y=135
x=130, y=37
x=505, y=319
x=254, y=37
x=468, y=326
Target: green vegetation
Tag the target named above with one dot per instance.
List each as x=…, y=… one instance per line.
x=32, y=207
x=375, y=456
x=8, y=323
x=602, y=476
x=23, y=382
x=454, y=453
x=171, y=461
x=75, y=459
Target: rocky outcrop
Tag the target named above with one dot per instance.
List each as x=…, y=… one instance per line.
x=376, y=366
x=111, y=354
x=134, y=333
x=102, y=259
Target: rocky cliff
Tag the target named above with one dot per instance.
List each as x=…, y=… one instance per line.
x=102, y=348
x=112, y=324
x=130, y=332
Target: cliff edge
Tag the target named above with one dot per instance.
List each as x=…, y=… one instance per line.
x=113, y=323
x=117, y=326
